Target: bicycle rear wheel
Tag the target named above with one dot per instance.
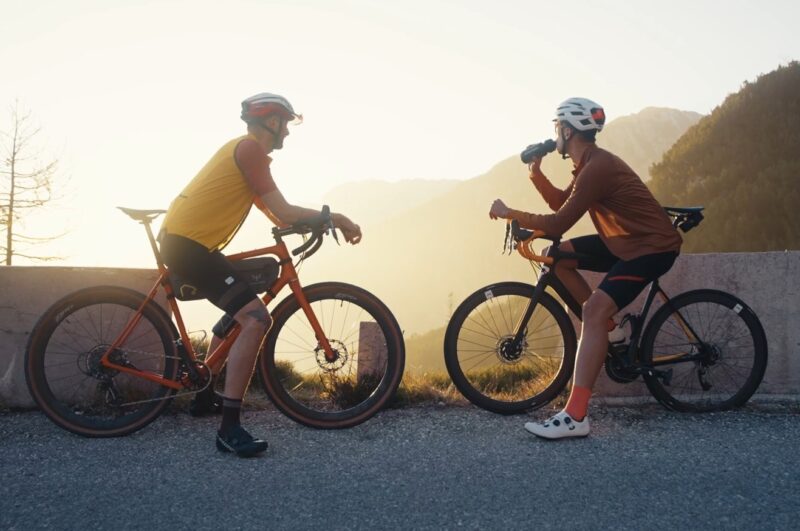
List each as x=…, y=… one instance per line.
x=485, y=365
x=370, y=355
x=63, y=370
x=712, y=345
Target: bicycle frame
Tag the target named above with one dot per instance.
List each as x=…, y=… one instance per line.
x=214, y=360
x=549, y=279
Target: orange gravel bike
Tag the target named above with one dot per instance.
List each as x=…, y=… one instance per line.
x=510, y=346
x=105, y=361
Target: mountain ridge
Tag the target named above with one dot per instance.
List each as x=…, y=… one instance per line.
x=426, y=258
x=741, y=162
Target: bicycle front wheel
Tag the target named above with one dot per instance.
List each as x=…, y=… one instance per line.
x=709, y=352
x=486, y=365
x=67, y=380
x=368, y=365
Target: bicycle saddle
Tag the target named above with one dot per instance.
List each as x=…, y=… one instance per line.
x=684, y=210
x=685, y=218
x=142, y=215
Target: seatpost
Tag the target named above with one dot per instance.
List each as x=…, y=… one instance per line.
x=146, y=223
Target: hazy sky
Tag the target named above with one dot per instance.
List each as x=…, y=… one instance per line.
x=134, y=96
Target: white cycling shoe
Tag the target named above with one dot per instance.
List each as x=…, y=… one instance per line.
x=559, y=426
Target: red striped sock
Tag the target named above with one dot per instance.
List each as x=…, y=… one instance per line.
x=578, y=402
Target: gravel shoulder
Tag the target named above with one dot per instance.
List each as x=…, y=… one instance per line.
x=433, y=467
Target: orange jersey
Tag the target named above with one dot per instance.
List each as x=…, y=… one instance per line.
x=626, y=215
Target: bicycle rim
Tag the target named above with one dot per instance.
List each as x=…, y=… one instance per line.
x=493, y=372
x=712, y=346
x=63, y=367
x=338, y=393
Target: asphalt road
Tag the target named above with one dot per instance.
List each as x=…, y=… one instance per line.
x=418, y=468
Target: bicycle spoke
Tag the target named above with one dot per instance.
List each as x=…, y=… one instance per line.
x=715, y=372
x=489, y=361
x=313, y=383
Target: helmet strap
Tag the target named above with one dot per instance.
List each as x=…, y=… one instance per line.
x=564, y=141
x=266, y=128
x=276, y=139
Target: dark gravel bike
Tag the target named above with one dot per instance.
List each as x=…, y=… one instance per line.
x=510, y=346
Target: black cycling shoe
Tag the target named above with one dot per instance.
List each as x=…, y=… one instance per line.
x=206, y=402
x=239, y=442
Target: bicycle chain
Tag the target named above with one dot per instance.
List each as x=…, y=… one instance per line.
x=168, y=397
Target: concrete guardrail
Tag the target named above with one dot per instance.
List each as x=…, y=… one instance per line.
x=767, y=282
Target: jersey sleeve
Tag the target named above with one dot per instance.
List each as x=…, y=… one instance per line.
x=586, y=190
x=554, y=197
x=254, y=165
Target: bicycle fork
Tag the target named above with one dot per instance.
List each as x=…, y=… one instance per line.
x=522, y=325
x=331, y=355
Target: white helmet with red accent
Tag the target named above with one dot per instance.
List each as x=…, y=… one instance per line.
x=582, y=114
x=266, y=103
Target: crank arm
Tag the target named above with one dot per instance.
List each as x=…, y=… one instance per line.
x=665, y=376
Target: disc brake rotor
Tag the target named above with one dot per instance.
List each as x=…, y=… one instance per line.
x=508, y=351
x=341, y=356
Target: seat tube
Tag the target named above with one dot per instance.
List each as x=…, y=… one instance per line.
x=153, y=245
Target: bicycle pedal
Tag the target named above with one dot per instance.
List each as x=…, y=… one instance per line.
x=666, y=377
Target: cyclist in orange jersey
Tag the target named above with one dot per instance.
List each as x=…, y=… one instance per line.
x=635, y=244
x=204, y=218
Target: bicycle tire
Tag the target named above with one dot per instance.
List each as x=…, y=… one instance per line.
x=496, y=382
x=71, y=337
x=740, y=359
x=340, y=394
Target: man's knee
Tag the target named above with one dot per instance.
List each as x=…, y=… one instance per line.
x=254, y=314
x=599, y=307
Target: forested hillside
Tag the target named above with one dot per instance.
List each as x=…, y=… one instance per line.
x=742, y=162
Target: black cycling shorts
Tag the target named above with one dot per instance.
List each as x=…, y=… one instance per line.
x=209, y=271
x=624, y=280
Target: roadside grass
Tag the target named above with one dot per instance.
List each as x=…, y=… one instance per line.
x=416, y=389
x=427, y=388
x=434, y=389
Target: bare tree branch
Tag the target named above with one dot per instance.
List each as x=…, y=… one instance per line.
x=26, y=182
x=40, y=258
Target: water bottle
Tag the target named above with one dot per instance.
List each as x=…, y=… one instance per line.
x=537, y=150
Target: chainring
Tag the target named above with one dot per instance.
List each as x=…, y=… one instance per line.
x=617, y=372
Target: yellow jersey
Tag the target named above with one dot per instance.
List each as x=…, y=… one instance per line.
x=213, y=206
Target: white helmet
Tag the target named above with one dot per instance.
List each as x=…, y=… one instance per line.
x=264, y=104
x=581, y=114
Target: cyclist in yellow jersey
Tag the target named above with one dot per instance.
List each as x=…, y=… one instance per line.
x=203, y=219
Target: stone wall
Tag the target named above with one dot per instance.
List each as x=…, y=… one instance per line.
x=26, y=293
x=767, y=282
